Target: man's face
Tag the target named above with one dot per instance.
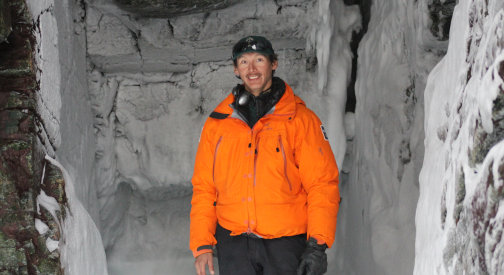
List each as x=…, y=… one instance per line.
x=256, y=71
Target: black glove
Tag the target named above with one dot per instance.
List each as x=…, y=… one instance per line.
x=314, y=259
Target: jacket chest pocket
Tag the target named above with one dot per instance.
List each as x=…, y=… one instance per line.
x=232, y=167
x=276, y=167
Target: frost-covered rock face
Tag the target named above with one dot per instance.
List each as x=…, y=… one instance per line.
x=44, y=110
x=440, y=13
x=118, y=43
x=376, y=220
x=5, y=22
x=460, y=211
x=171, y=8
x=154, y=82
x=63, y=102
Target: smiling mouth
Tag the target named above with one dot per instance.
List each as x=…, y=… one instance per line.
x=253, y=77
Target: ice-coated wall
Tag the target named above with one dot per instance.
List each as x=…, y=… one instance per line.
x=65, y=129
x=376, y=233
x=459, y=217
x=122, y=100
x=63, y=100
x=154, y=81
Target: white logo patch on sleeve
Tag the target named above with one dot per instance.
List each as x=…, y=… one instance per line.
x=324, y=132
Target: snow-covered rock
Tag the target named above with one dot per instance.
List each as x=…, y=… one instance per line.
x=376, y=229
x=64, y=124
x=80, y=242
x=128, y=133
x=459, y=215
x=63, y=101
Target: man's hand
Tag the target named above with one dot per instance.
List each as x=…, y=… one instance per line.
x=202, y=261
x=314, y=259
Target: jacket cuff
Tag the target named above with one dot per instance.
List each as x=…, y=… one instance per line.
x=202, y=250
x=319, y=238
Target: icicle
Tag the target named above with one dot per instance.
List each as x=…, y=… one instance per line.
x=320, y=38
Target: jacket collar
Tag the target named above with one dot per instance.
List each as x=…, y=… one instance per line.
x=286, y=106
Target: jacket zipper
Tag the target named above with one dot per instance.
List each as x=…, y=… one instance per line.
x=215, y=158
x=285, y=161
x=255, y=160
x=256, y=152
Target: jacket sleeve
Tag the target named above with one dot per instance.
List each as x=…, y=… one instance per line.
x=320, y=178
x=203, y=216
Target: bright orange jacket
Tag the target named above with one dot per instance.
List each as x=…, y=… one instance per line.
x=277, y=179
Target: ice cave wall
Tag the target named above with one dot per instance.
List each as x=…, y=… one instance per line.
x=44, y=105
x=459, y=217
x=153, y=82
x=404, y=41
x=66, y=131
x=63, y=100
x=122, y=99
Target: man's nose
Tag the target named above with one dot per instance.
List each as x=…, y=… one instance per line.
x=252, y=66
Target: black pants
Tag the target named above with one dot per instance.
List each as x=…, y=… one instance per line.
x=250, y=255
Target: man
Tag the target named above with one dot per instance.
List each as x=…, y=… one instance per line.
x=265, y=183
